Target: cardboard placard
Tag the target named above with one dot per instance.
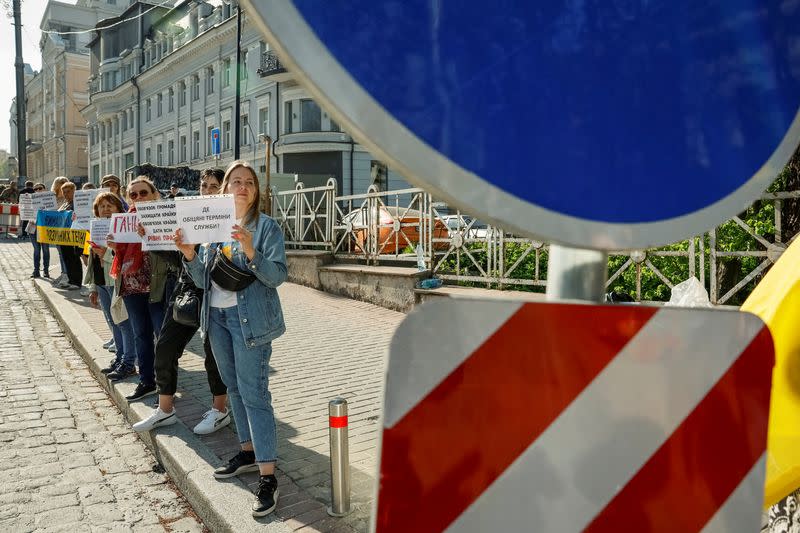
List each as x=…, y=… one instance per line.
x=99, y=228
x=43, y=201
x=205, y=219
x=124, y=226
x=160, y=221
x=83, y=201
x=26, y=211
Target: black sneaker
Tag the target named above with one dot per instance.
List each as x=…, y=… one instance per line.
x=35, y=274
x=121, y=372
x=47, y=274
x=111, y=367
x=141, y=391
x=266, y=496
x=244, y=461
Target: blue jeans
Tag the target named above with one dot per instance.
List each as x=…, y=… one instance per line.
x=40, y=251
x=145, y=319
x=245, y=370
x=123, y=335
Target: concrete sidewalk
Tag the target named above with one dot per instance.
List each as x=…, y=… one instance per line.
x=333, y=347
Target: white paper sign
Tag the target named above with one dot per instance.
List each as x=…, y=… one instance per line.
x=206, y=218
x=43, y=201
x=83, y=202
x=123, y=227
x=99, y=228
x=160, y=221
x=26, y=211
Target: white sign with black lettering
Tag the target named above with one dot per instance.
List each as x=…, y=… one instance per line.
x=160, y=222
x=83, y=201
x=43, y=201
x=99, y=228
x=26, y=211
x=206, y=218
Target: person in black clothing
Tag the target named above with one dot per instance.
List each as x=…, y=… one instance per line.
x=172, y=342
x=71, y=254
x=23, y=230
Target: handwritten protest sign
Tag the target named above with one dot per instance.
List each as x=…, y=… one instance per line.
x=26, y=211
x=43, y=201
x=53, y=227
x=160, y=221
x=123, y=227
x=83, y=202
x=206, y=218
x=99, y=228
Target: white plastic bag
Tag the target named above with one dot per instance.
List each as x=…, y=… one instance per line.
x=689, y=293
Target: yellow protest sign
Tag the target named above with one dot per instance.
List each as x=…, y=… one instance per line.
x=776, y=300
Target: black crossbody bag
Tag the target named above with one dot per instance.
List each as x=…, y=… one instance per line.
x=229, y=276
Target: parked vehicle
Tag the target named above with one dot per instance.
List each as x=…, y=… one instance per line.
x=398, y=229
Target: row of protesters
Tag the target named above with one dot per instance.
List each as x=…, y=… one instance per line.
x=240, y=316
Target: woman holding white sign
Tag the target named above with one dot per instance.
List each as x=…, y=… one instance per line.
x=41, y=251
x=241, y=315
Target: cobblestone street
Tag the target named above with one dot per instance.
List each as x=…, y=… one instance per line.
x=68, y=459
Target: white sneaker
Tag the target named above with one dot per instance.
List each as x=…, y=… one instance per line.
x=63, y=284
x=84, y=290
x=212, y=421
x=157, y=419
x=61, y=278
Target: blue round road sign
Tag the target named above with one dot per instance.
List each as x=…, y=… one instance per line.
x=616, y=124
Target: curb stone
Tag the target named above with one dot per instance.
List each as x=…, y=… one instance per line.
x=223, y=506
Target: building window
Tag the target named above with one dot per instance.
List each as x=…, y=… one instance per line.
x=244, y=134
x=147, y=108
x=226, y=135
x=288, y=117
x=243, y=71
x=335, y=126
x=226, y=73
x=195, y=88
x=196, y=145
x=125, y=121
x=171, y=152
x=160, y=104
x=147, y=155
x=263, y=120
x=210, y=80
x=182, y=94
x=208, y=140
x=171, y=101
x=159, y=155
x=183, y=148
x=310, y=116
x=128, y=160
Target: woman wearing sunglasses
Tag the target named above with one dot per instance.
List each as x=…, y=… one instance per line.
x=241, y=314
x=144, y=281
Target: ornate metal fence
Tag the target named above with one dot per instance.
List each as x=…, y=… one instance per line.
x=396, y=226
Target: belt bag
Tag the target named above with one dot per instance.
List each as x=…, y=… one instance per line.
x=229, y=276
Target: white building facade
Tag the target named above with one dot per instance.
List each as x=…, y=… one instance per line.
x=162, y=81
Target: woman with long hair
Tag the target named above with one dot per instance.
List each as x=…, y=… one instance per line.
x=101, y=290
x=144, y=281
x=171, y=344
x=242, y=315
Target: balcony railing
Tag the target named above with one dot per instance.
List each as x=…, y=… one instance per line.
x=270, y=65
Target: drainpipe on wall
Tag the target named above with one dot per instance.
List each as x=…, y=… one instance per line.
x=352, y=149
x=138, y=122
x=277, y=125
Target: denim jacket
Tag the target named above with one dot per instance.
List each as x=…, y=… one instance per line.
x=259, y=307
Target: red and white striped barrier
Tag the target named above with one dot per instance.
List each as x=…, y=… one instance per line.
x=9, y=219
x=504, y=416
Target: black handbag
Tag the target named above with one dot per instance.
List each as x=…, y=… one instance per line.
x=186, y=308
x=229, y=276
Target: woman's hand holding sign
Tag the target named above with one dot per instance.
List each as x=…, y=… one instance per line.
x=245, y=239
x=186, y=249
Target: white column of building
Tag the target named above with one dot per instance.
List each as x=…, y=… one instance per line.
x=118, y=148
